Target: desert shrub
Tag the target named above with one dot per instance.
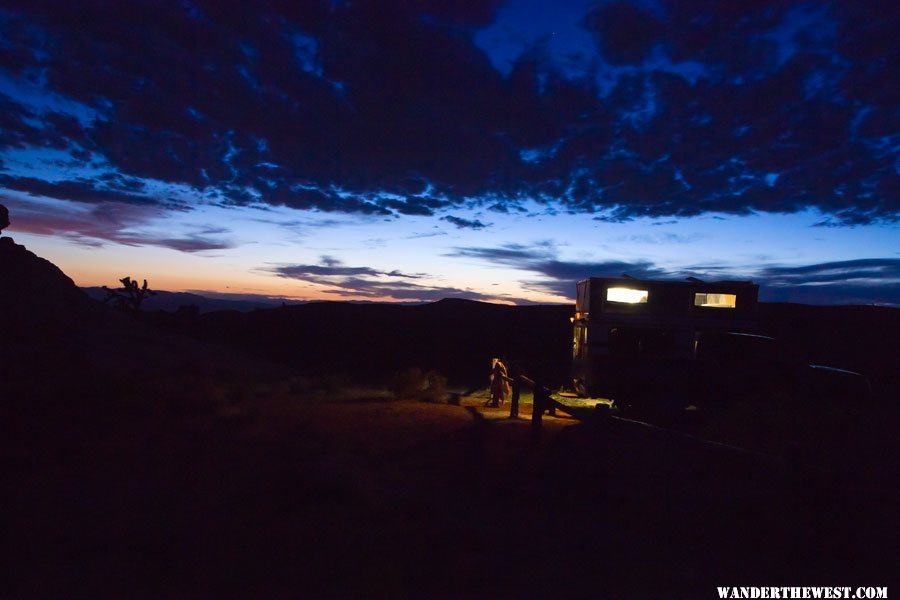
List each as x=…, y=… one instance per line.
x=435, y=389
x=414, y=384
x=408, y=383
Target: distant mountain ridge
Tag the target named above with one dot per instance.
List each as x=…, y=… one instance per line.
x=167, y=301
x=171, y=301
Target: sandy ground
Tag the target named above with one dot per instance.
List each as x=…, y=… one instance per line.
x=370, y=497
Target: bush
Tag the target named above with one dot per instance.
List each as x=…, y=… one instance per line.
x=408, y=383
x=436, y=389
x=413, y=383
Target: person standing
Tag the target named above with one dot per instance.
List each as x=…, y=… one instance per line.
x=499, y=382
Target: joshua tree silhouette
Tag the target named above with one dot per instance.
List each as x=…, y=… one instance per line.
x=129, y=297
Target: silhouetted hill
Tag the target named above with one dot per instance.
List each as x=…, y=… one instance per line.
x=34, y=289
x=458, y=337
x=373, y=341
x=172, y=301
x=62, y=347
x=45, y=317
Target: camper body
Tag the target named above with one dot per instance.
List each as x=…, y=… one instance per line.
x=635, y=339
x=687, y=354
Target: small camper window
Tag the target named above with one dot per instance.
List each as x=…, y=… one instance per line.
x=715, y=300
x=626, y=295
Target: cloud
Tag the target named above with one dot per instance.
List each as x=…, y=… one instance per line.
x=100, y=222
x=330, y=268
x=877, y=270
x=542, y=260
x=404, y=291
x=193, y=242
x=662, y=238
x=390, y=108
x=464, y=223
x=365, y=282
x=109, y=188
x=861, y=281
x=557, y=277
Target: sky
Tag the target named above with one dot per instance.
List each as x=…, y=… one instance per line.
x=408, y=151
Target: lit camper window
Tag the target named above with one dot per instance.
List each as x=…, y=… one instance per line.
x=715, y=300
x=626, y=295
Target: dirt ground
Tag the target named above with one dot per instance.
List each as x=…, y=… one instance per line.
x=371, y=497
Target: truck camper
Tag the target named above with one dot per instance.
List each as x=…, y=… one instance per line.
x=634, y=337
x=675, y=344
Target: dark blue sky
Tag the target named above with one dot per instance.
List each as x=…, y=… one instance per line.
x=495, y=150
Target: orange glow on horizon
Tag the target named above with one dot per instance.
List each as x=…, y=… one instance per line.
x=167, y=270
x=246, y=284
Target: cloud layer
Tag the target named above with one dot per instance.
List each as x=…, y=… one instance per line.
x=864, y=281
x=391, y=108
x=104, y=221
x=342, y=281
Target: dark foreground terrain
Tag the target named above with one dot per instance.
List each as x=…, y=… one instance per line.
x=287, y=499
x=138, y=462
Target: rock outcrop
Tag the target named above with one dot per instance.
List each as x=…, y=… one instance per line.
x=57, y=343
x=32, y=289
